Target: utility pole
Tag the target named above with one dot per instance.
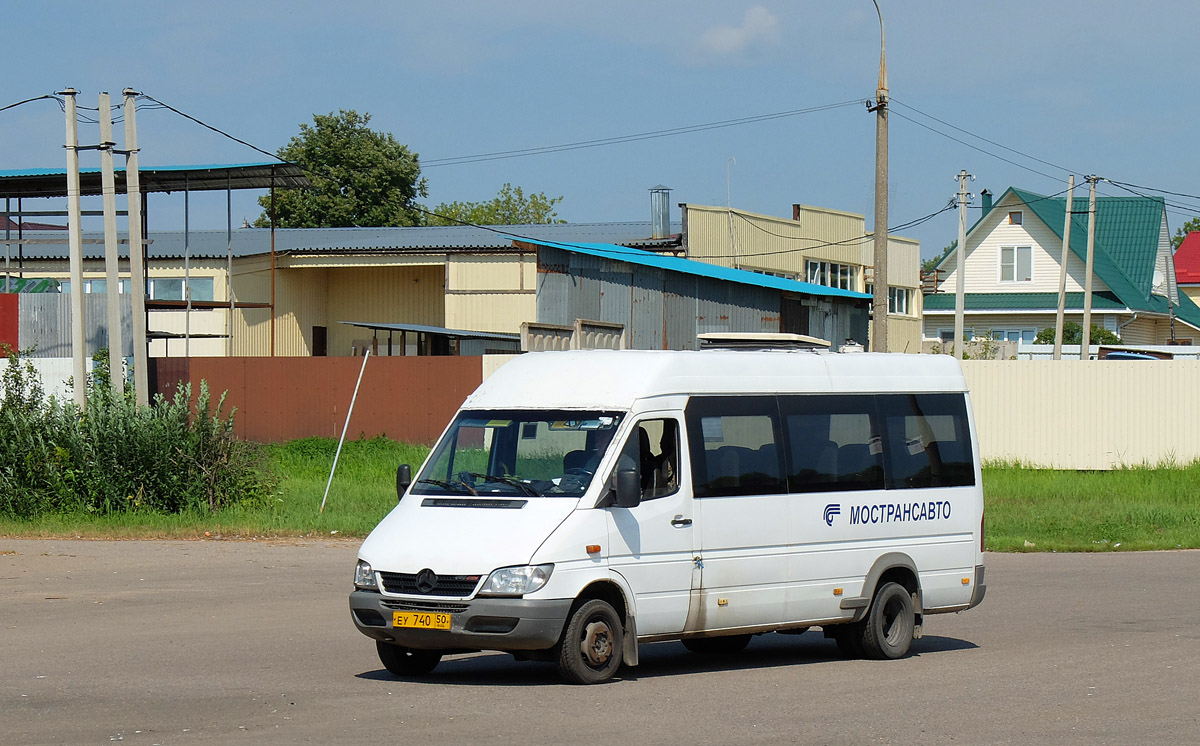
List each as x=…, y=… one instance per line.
x=879, y=301
x=137, y=269
x=112, y=275
x=960, y=269
x=1085, y=343
x=75, y=238
x=1062, y=269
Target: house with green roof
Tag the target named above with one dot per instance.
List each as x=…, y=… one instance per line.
x=1012, y=272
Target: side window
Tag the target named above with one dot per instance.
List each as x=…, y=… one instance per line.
x=833, y=443
x=653, y=450
x=735, y=446
x=929, y=442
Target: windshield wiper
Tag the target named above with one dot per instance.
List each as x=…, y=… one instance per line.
x=448, y=486
x=529, y=491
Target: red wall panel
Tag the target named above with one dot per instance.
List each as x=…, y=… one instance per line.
x=10, y=320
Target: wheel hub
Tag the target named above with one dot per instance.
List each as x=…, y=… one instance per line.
x=597, y=643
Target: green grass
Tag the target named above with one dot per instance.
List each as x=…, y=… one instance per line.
x=1086, y=511
x=1125, y=509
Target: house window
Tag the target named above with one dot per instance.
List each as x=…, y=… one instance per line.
x=93, y=286
x=900, y=301
x=947, y=335
x=1015, y=217
x=1024, y=334
x=832, y=274
x=1016, y=264
x=171, y=288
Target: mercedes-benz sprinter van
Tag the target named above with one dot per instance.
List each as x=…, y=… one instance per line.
x=583, y=502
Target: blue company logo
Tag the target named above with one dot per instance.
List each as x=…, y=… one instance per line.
x=831, y=510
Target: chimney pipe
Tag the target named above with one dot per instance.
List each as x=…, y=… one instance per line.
x=987, y=201
x=660, y=210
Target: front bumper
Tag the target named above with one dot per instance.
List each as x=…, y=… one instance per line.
x=479, y=624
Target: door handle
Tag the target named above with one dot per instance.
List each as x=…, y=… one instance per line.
x=679, y=521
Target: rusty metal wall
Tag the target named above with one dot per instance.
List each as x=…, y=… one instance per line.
x=10, y=324
x=278, y=399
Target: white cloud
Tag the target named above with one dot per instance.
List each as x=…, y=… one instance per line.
x=759, y=30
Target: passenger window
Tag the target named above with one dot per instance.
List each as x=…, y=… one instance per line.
x=834, y=443
x=653, y=450
x=929, y=443
x=734, y=446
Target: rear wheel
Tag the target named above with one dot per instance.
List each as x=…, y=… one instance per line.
x=403, y=661
x=726, y=645
x=887, y=631
x=591, y=647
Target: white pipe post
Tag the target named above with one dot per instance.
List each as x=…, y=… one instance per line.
x=112, y=274
x=345, y=427
x=960, y=270
x=75, y=238
x=1062, y=270
x=137, y=269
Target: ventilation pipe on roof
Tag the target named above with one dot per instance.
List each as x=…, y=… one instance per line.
x=660, y=210
x=987, y=201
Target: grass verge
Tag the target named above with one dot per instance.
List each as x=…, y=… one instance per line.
x=1028, y=510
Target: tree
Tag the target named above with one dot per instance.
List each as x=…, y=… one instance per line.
x=1188, y=227
x=932, y=262
x=509, y=207
x=360, y=177
x=1073, y=332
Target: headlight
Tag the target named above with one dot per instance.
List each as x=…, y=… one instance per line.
x=364, y=577
x=516, y=581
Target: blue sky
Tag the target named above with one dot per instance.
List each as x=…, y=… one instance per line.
x=1103, y=87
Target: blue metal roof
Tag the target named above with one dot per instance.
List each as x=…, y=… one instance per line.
x=52, y=182
x=701, y=269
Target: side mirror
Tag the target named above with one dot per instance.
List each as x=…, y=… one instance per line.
x=403, y=480
x=629, y=488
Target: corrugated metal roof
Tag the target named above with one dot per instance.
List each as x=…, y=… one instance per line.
x=1187, y=260
x=50, y=182
x=310, y=241
x=701, y=269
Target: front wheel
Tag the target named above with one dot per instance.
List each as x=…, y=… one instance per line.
x=403, y=661
x=591, y=646
x=887, y=630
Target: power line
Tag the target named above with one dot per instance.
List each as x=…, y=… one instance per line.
x=209, y=126
x=26, y=101
x=600, y=142
x=975, y=147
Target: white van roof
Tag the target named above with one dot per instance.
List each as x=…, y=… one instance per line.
x=615, y=379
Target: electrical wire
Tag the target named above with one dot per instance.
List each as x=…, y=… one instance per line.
x=26, y=101
x=975, y=147
x=600, y=142
x=214, y=129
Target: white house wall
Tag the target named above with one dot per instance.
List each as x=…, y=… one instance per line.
x=983, y=255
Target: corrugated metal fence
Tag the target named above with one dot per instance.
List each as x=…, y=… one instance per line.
x=405, y=398
x=1071, y=414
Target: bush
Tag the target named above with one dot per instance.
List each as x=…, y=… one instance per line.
x=117, y=457
x=1073, y=333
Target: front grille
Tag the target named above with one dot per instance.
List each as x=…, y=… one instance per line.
x=429, y=607
x=445, y=585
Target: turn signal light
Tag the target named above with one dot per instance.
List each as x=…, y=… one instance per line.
x=837, y=591
x=592, y=548
x=966, y=581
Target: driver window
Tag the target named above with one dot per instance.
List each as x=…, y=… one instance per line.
x=653, y=451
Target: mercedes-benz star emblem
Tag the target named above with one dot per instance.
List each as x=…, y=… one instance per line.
x=426, y=580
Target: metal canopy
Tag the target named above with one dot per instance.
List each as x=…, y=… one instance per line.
x=48, y=182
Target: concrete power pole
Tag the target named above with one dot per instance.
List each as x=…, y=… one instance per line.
x=960, y=269
x=75, y=238
x=112, y=276
x=1085, y=341
x=1062, y=270
x=137, y=269
x=879, y=301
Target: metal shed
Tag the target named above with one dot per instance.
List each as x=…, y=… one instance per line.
x=664, y=302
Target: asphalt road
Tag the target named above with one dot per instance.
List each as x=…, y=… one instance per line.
x=251, y=642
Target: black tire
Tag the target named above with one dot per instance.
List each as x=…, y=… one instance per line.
x=592, y=645
x=403, y=661
x=727, y=645
x=887, y=631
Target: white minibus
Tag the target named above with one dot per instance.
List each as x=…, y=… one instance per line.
x=583, y=502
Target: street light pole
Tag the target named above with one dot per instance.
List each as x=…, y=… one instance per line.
x=879, y=302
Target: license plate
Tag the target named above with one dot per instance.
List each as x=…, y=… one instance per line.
x=420, y=620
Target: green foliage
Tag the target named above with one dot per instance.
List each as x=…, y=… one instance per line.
x=1190, y=226
x=509, y=207
x=116, y=457
x=1073, y=333
x=360, y=177
x=932, y=262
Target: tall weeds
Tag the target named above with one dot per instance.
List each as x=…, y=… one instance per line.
x=116, y=457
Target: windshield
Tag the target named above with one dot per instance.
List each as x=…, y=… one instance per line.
x=516, y=452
